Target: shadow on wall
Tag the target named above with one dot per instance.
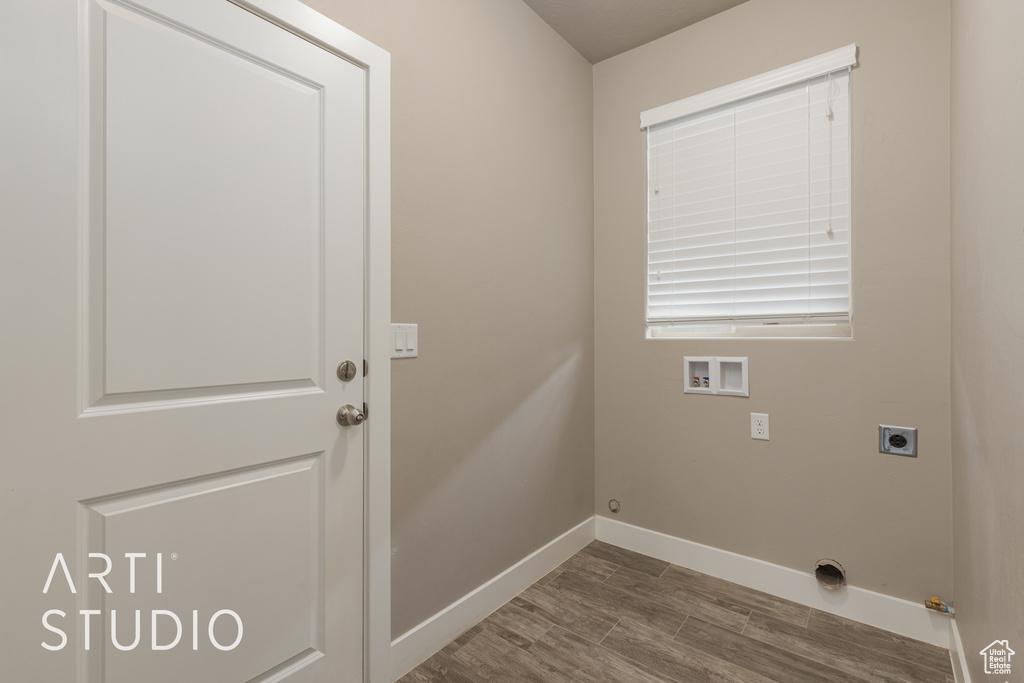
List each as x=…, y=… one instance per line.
x=515, y=451
x=514, y=477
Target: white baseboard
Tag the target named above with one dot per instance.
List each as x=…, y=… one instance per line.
x=420, y=642
x=876, y=609
x=956, y=655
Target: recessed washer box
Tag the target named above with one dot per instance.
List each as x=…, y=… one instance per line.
x=732, y=376
x=698, y=374
x=726, y=376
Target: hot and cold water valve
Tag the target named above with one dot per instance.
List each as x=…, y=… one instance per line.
x=897, y=440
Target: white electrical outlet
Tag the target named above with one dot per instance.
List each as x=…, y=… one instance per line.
x=759, y=426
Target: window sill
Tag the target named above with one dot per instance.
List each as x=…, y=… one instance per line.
x=824, y=331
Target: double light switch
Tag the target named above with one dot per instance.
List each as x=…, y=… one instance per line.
x=406, y=341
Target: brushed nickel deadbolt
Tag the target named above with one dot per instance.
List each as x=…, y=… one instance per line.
x=347, y=371
x=349, y=415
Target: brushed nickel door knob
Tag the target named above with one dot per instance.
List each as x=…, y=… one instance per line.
x=349, y=415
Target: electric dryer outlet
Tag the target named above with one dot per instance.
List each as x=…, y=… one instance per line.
x=897, y=440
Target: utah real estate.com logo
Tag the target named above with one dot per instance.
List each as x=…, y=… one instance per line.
x=997, y=658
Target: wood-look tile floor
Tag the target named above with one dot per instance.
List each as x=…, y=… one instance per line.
x=611, y=615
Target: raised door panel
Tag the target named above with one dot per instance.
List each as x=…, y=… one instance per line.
x=209, y=221
x=229, y=565
x=212, y=226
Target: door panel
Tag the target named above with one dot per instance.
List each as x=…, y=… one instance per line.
x=169, y=397
x=260, y=531
x=215, y=242
x=196, y=268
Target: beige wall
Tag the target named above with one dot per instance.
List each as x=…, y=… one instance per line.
x=495, y=259
x=492, y=444
x=685, y=464
x=988, y=325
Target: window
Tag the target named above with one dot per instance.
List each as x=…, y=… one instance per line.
x=748, y=203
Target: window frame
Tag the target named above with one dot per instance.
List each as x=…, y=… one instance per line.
x=734, y=94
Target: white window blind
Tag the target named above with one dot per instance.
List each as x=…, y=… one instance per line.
x=749, y=200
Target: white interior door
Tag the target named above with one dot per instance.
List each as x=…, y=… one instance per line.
x=176, y=302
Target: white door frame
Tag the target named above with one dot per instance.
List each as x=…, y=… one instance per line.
x=297, y=18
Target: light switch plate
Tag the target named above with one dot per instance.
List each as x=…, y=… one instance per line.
x=405, y=341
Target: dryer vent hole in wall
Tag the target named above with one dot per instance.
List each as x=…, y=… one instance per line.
x=830, y=574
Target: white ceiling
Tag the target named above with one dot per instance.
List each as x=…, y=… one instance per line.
x=600, y=29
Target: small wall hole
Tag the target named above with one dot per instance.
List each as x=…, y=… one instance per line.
x=830, y=574
x=614, y=506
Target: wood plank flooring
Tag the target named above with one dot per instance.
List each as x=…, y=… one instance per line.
x=608, y=615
